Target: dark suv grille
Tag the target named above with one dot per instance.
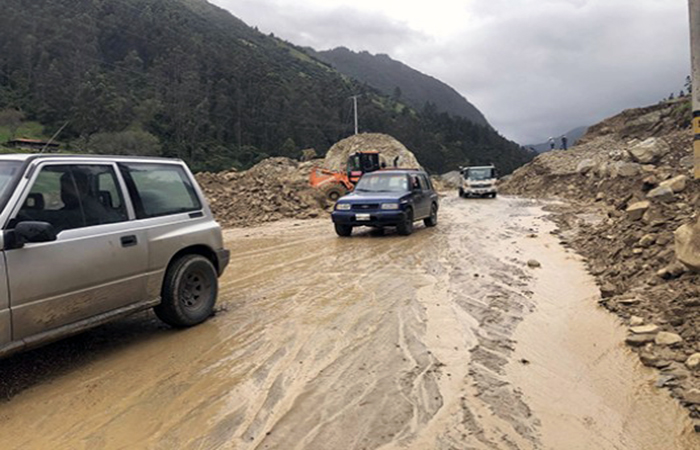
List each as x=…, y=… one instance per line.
x=365, y=206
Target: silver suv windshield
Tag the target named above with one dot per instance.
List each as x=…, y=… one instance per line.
x=383, y=182
x=8, y=170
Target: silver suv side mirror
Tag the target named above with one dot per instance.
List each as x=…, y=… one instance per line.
x=29, y=232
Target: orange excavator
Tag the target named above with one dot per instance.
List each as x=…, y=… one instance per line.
x=335, y=184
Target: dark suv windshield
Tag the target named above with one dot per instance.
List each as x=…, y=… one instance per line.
x=384, y=182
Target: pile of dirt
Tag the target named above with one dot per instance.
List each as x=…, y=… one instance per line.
x=633, y=172
x=388, y=148
x=274, y=189
x=451, y=180
x=278, y=188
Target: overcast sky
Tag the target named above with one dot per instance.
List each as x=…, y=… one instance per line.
x=535, y=68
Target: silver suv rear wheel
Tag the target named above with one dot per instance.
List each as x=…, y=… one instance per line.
x=189, y=292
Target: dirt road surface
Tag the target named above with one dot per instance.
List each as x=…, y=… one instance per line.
x=442, y=340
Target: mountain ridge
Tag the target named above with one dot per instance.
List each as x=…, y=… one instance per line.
x=388, y=75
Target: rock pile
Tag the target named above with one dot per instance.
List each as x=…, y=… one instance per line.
x=633, y=171
x=388, y=148
x=449, y=181
x=278, y=188
x=274, y=189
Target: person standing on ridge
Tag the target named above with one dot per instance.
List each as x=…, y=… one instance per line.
x=564, y=141
x=551, y=143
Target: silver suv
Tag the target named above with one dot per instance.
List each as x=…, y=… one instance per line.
x=87, y=239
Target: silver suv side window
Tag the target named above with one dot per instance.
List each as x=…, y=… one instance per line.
x=74, y=196
x=159, y=189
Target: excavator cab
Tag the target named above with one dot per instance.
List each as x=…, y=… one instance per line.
x=361, y=163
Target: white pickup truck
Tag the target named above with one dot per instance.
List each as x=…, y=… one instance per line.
x=478, y=181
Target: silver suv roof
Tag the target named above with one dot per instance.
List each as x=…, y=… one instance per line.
x=39, y=156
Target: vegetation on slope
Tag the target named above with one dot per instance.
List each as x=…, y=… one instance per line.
x=184, y=78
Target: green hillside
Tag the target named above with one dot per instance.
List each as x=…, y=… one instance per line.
x=185, y=78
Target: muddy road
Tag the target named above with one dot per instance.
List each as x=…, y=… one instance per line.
x=442, y=340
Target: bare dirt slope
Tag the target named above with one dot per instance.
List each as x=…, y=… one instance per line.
x=634, y=170
x=442, y=340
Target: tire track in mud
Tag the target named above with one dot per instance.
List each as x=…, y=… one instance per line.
x=490, y=413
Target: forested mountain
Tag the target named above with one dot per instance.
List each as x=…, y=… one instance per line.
x=400, y=81
x=185, y=78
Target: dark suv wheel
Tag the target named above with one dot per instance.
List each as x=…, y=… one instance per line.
x=431, y=220
x=343, y=230
x=406, y=228
x=189, y=292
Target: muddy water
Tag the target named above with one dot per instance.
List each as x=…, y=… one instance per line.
x=442, y=340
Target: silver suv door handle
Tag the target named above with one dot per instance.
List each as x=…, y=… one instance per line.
x=129, y=241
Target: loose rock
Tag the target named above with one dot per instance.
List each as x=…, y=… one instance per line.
x=692, y=396
x=676, y=184
x=687, y=245
x=585, y=166
x=533, y=264
x=661, y=193
x=639, y=340
x=666, y=338
x=693, y=361
x=636, y=321
x=647, y=240
x=635, y=211
x=645, y=329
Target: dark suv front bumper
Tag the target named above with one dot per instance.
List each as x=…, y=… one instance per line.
x=376, y=218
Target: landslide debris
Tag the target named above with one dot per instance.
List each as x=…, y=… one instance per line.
x=629, y=186
x=274, y=189
x=388, y=148
x=278, y=188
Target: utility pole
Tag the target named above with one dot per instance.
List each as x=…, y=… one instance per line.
x=55, y=135
x=694, y=6
x=354, y=103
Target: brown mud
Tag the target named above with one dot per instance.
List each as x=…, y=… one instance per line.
x=446, y=339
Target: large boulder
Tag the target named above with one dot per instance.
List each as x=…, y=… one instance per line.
x=388, y=148
x=624, y=169
x=649, y=151
x=585, y=166
x=687, y=245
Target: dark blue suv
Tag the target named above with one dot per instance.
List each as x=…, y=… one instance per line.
x=388, y=198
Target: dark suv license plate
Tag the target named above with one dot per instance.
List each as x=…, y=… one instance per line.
x=362, y=216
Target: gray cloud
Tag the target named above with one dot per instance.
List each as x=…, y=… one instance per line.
x=534, y=67
x=323, y=29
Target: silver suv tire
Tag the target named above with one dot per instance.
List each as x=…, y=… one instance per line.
x=189, y=292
